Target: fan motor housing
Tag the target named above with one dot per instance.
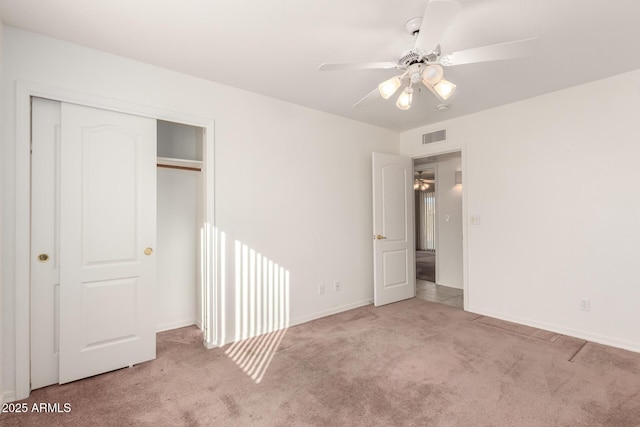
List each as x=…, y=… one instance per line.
x=415, y=57
x=408, y=59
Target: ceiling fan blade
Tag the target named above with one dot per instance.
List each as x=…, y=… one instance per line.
x=357, y=66
x=493, y=52
x=437, y=19
x=368, y=98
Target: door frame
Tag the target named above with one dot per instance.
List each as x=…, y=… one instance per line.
x=463, y=160
x=213, y=310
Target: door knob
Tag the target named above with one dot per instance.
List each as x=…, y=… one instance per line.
x=43, y=257
x=380, y=237
x=148, y=251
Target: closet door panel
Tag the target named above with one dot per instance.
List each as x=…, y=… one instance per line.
x=108, y=223
x=110, y=216
x=45, y=241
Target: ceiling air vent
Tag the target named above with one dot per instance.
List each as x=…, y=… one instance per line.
x=431, y=137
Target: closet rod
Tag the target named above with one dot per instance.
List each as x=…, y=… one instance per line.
x=186, y=168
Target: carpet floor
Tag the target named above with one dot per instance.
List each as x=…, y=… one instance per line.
x=412, y=363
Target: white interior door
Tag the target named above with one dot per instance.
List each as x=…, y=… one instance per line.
x=393, y=229
x=107, y=232
x=45, y=241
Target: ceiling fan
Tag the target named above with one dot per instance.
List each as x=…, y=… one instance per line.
x=423, y=63
x=421, y=183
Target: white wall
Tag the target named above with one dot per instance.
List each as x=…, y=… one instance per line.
x=449, y=204
x=177, y=244
x=292, y=183
x=554, y=180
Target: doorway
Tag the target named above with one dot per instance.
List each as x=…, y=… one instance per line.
x=114, y=314
x=179, y=299
x=438, y=218
x=425, y=212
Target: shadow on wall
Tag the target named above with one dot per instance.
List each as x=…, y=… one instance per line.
x=261, y=309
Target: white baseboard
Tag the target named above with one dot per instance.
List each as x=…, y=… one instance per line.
x=8, y=396
x=576, y=333
x=329, y=312
x=310, y=317
x=451, y=286
x=175, y=325
x=210, y=346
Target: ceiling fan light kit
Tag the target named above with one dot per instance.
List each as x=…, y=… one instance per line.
x=444, y=88
x=405, y=98
x=432, y=74
x=420, y=183
x=389, y=87
x=423, y=62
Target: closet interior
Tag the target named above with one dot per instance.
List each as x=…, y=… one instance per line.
x=180, y=219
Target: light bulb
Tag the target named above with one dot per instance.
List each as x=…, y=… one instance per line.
x=432, y=74
x=404, y=100
x=424, y=187
x=416, y=186
x=389, y=87
x=444, y=88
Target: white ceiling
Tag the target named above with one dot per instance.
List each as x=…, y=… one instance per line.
x=274, y=47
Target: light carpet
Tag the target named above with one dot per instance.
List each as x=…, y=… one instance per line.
x=412, y=363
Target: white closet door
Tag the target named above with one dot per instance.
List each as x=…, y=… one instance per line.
x=45, y=241
x=107, y=231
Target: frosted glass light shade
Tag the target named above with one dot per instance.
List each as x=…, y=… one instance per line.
x=444, y=88
x=404, y=100
x=432, y=74
x=389, y=87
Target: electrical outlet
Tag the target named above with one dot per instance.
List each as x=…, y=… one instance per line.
x=584, y=304
x=321, y=289
x=336, y=286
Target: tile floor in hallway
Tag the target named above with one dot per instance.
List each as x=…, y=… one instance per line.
x=429, y=291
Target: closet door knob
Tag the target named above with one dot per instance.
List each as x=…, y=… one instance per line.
x=43, y=257
x=148, y=251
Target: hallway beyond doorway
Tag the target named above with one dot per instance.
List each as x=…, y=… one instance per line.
x=429, y=291
x=426, y=265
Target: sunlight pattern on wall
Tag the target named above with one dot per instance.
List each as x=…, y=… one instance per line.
x=212, y=296
x=261, y=310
